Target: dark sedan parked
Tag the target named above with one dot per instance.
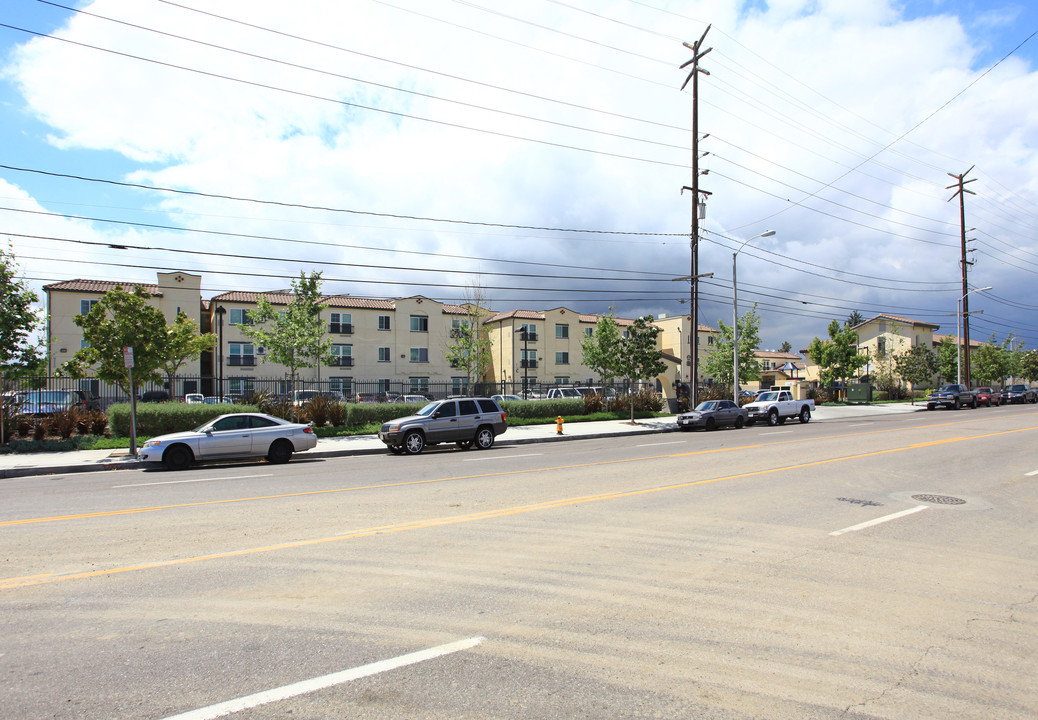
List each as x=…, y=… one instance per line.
x=1019, y=394
x=952, y=397
x=711, y=414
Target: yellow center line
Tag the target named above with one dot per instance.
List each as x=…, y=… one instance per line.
x=16, y=582
x=310, y=493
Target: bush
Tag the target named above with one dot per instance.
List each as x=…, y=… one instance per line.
x=64, y=422
x=644, y=401
x=162, y=418
x=318, y=408
x=544, y=408
x=337, y=413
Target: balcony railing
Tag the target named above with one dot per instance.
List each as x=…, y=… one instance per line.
x=346, y=361
x=241, y=360
x=340, y=328
x=527, y=363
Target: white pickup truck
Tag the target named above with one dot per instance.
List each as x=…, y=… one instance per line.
x=777, y=406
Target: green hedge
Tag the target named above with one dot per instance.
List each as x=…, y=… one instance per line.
x=161, y=418
x=543, y=408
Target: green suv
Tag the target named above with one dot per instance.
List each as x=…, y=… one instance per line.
x=463, y=421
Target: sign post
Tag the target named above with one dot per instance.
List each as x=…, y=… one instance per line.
x=128, y=362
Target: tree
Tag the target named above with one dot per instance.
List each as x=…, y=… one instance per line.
x=18, y=319
x=855, y=319
x=599, y=349
x=121, y=319
x=948, y=359
x=837, y=358
x=917, y=365
x=786, y=347
x=638, y=357
x=295, y=336
x=992, y=363
x=720, y=364
x=183, y=343
x=469, y=348
x=1027, y=365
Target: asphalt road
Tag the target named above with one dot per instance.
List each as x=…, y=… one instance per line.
x=885, y=568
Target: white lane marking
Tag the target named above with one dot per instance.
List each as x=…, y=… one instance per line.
x=326, y=681
x=877, y=521
x=776, y=432
x=501, y=457
x=673, y=442
x=860, y=424
x=1031, y=474
x=193, y=480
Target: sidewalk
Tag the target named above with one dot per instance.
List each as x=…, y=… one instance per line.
x=73, y=461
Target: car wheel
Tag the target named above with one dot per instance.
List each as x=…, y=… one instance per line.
x=178, y=457
x=396, y=449
x=930, y=406
x=974, y=405
x=464, y=444
x=710, y=424
x=773, y=418
x=805, y=415
x=280, y=452
x=414, y=442
x=739, y=422
x=485, y=438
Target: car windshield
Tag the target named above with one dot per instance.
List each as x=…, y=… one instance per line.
x=1016, y=388
x=768, y=397
x=707, y=405
x=429, y=409
x=949, y=388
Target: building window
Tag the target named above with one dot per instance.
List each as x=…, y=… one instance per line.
x=343, y=385
x=342, y=355
x=240, y=387
x=459, y=327
x=528, y=358
x=384, y=322
x=85, y=306
x=341, y=323
x=385, y=354
x=241, y=354
x=459, y=386
x=83, y=344
x=419, y=323
x=562, y=379
x=881, y=345
x=419, y=384
x=562, y=358
x=384, y=385
x=589, y=332
x=561, y=331
x=240, y=316
x=531, y=332
x=419, y=355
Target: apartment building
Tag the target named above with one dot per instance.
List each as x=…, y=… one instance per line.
x=173, y=292
x=388, y=344
x=674, y=342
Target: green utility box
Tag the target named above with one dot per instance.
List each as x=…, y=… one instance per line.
x=859, y=392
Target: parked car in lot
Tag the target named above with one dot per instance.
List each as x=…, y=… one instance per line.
x=952, y=397
x=1019, y=394
x=711, y=414
x=48, y=402
x=194, y=398
x=421, y=399
x=210, y=400
x=157, y=396
x=239, y=435
x=987, y=396
x=558, y=393
x=465, y=421
x=503, y=398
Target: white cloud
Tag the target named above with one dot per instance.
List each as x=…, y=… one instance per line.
x=801, y=95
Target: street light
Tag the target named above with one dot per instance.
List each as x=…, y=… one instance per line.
x=735, y=317
x=958, y=334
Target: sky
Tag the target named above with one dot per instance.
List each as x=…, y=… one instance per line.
x=533, y=154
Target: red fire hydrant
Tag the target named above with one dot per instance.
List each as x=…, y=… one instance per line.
x=558, y=425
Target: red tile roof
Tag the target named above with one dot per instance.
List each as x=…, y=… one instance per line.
x=99, y=286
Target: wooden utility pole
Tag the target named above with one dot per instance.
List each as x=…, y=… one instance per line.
x=693, y=339
x=964, y=263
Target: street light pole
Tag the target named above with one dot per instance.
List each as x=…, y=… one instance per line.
x=735, y=317
x=958, y=335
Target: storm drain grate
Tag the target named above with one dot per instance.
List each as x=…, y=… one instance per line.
x=939, y=499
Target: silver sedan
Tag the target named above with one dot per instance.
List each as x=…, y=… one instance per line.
x=711, y=414
x=240, y=435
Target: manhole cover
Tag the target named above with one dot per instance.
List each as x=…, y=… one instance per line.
x=939, y=499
